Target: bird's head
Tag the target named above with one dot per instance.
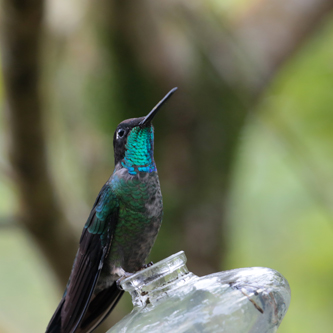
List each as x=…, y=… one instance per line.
x=133, y=141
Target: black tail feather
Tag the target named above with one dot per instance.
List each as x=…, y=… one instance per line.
x=55, y=322
x=99, y=308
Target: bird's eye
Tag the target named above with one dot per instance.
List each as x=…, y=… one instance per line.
x=120, y=133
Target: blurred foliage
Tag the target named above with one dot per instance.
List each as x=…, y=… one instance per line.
x=280, y=210
x=25, y=305
x=281, y=207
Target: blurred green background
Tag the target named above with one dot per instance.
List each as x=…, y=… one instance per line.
x=243, y=149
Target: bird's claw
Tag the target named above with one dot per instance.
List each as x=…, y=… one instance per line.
x=147, y=265
x=125, y=276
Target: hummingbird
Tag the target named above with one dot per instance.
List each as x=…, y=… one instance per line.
x=120, y=230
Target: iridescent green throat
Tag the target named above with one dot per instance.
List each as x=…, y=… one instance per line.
x=139, y=152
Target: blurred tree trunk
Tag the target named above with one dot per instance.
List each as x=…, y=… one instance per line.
x=40, y=214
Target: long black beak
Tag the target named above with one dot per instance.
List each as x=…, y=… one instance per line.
x=153, y=112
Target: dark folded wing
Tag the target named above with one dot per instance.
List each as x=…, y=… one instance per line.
x=95, y=243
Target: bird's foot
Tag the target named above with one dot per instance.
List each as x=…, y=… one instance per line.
x=125, y=276
x=146, y=265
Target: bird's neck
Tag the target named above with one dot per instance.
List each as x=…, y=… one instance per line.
x=139, y=153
